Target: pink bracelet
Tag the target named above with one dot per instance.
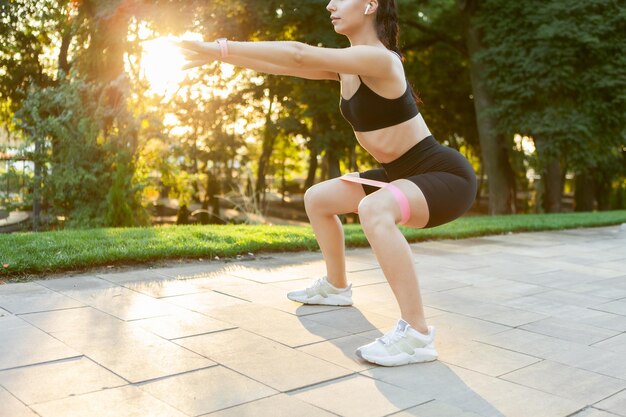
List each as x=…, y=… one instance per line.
x=223, y=43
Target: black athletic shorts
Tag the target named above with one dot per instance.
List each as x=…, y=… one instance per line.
x=446, y=178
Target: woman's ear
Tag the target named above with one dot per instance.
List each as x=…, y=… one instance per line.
x=371, y=7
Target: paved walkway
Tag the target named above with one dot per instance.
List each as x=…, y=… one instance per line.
x=529, y=325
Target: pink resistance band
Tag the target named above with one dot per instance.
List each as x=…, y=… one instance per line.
x=403, y=202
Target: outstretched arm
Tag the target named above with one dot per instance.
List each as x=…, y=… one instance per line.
x=198, y=59
x=296, y=56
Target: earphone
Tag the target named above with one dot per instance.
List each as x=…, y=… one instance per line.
x=367, y=9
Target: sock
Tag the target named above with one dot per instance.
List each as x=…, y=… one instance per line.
x=332, y=286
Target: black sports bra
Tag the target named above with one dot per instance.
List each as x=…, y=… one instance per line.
x=367, y=111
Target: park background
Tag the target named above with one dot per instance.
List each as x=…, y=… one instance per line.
x=99, y=127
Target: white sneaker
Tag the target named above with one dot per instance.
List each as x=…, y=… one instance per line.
x=401, y=346
x=324, y=293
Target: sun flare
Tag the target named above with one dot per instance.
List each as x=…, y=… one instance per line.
x=162, y=64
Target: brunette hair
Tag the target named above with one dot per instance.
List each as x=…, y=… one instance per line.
x=388, y=30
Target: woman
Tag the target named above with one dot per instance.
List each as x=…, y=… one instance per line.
x=421, y=183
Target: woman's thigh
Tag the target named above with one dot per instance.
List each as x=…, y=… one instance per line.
x=419, y=213
x=434, y=198
x=334, y=196
x=437, y=198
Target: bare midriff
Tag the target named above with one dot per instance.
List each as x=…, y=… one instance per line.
x=390, y=143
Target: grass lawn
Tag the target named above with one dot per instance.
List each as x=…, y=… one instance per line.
x=27, y=255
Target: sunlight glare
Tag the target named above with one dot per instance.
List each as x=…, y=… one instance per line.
x=162, y=63
x=524, y=144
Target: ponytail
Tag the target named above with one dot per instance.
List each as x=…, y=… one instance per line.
x=388, y=30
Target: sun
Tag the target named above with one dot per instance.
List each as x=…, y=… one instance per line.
x=162, y=63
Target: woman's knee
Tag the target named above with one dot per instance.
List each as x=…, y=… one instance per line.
x=314, y=199
x=376, y=215
x=333, y=197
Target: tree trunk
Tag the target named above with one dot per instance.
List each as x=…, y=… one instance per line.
x=494, y=151
x=603, y=191
x=550, y=177
x=37, y=186
x=269, y=138
x=481, y=181
x=333, y=165
x=353, y=165
x=214, y=202
x=195, y=169
x=584, y=192
x=108, y=34
x=503, y=155
x=64, y=65
x=553, y=186
x=283, y=180
x=313, y=153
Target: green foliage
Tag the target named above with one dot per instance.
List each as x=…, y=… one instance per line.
x=120, y=208
x=50, y=252
x=80, y=184
x=617, y=198
x=61, y=121
x=308, y=108
x=24, y=35
x=437, y=65
x=556, y=69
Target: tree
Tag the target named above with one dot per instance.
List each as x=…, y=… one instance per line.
x=494, y=145
x=78, y=178
x=25, y=33
x=441, y=41
x=292, y=101
x=561, y=81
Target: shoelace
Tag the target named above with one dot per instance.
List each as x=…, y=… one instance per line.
x=392, y=337
x=316, y=284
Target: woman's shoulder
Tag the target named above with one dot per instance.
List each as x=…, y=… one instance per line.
x=396, y=54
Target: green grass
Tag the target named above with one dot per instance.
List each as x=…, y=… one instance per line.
x=35, y=254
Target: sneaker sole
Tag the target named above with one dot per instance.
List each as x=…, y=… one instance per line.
x=420, y=356
x=331, y=300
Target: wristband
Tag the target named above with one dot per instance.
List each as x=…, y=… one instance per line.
x=223, y=43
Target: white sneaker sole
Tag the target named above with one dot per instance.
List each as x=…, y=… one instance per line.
x=419, y=356
x=330, y=300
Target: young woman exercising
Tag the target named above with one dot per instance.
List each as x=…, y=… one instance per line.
x=421, y=183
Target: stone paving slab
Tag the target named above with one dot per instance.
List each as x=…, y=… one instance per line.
x=529, y=324
x=30, y=298
x=279, y=326
x=614, y=404
x=276, y=406
x=182, y=325
x=435, y=409
x=124, y=401
x=594, y=412
x=57, y=380
x=264, y=360
x=12, y=407
x=341, y=352
x=22, y=344
x=555, y=378
x=207, y=390
x=133, y=353
x=359, y=396
x=123, y=303
x=84, y=319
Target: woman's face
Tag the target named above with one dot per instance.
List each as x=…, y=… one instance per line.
x=347, y=15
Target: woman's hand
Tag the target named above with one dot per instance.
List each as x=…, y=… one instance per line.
x=195, y=52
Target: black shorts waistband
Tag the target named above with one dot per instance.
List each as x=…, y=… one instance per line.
x=417, y=154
